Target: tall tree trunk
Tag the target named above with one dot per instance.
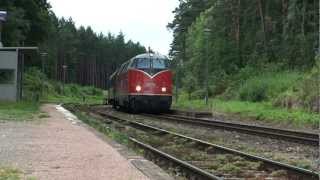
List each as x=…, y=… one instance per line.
x=304, y=7
x=284, y=18
x=263, y=27
x=238, y=32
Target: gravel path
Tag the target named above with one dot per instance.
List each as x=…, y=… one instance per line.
x=57, y=148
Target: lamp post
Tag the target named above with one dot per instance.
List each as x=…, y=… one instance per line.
x=3, y=18
x=207, y=32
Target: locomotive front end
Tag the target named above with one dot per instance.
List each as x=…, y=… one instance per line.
x=150, y=83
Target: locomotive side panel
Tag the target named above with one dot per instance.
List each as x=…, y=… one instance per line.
x=122, y=88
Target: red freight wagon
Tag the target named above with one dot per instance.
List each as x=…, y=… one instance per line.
x=142, y=83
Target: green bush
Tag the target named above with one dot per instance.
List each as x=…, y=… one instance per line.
x=198, y=94
x=89, y=90
x=267, y=86
x=304, y=94
x=189, y=84
x=254, y=91
x=34, y=84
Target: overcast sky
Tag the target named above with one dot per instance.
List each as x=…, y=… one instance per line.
x=140, y=20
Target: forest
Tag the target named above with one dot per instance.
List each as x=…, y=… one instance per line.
x=89, y=57
x=261, y=50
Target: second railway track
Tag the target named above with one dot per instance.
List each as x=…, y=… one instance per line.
x=284, y=134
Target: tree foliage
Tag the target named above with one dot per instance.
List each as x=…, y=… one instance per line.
x=244, y=33
x=90, y=57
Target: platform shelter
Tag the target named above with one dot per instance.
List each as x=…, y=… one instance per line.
x=11, y=72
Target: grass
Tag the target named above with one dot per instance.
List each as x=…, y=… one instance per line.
x=7, y=173
x=21, y=111
x=266, y=111
x=10, y=174
x=263, y=111
x=74, y=99
x=73, y=93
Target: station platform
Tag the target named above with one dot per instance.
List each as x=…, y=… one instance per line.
x=62, y=147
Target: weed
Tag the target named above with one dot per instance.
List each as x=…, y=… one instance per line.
x=103, y=128
x=229, y=168
x=43, y=115
x=279, y=173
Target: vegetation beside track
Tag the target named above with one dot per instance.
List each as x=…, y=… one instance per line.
x=7, y=173
x=21, y=111
x=277, y=96
x=262, y=111
x=281, y=68
x=99, y=126
x=37, y=87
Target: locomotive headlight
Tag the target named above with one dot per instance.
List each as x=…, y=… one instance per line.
x=138, y=88
x=164, y=89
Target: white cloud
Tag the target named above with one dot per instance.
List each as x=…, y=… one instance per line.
x=140, y=20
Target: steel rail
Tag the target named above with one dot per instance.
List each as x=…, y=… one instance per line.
x=190, y=167
x=297, y=170
x=289, y=135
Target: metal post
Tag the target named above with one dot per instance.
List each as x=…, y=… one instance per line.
x=207, y=32
x=42, y=64
x=21, y=74
x=318, y=58
x=207, y=72
x=43, y=55
x=1, y=45
x=177, y=82
x=64, y=77
x=3, y=18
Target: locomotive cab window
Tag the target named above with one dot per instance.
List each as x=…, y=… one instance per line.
x=143, y=63
x=160, y=64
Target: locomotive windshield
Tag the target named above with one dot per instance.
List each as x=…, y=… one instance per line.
x=151, y=65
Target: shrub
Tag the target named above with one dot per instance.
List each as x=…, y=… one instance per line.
x=254, y=91
x=189, y=83
x=34, y=84
x=198, y=94
x=267, y=86
x=92, y=91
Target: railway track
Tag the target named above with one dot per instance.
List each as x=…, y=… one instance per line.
x=283, y=134
x=203, y=171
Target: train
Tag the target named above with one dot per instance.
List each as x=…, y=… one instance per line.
x=143, y=83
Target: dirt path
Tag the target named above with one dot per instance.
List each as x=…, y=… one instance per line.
x=58, y=148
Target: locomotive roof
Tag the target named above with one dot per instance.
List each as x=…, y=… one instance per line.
x=148, y=55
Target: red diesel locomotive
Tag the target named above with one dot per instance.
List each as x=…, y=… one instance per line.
x=142, y=83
